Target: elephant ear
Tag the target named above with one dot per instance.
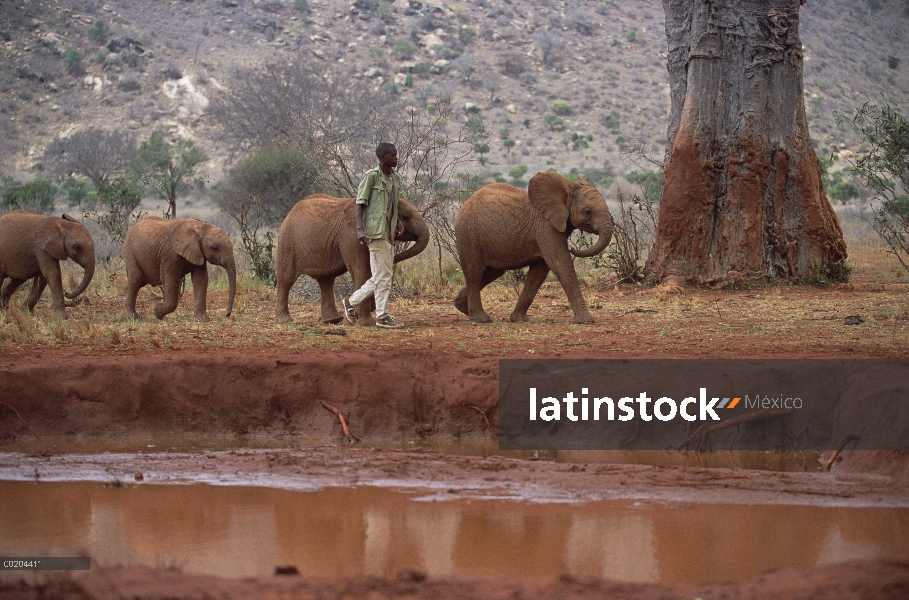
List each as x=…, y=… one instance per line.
x=69, y=218
x=548, y=193
x=50, y=238
x=186, y=240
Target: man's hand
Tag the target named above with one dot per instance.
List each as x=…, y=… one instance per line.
x=399, y=229
x=361, y=235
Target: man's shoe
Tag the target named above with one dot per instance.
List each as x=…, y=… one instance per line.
x=389, y=322
x=350, y=313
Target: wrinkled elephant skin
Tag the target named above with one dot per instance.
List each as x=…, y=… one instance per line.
x=32, y=246
x=500, y=228
x=163, y=251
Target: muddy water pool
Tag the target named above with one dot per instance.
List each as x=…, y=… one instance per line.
x=338, y=531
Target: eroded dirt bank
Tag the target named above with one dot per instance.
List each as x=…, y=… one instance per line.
x=383, y=394
x=858, y=580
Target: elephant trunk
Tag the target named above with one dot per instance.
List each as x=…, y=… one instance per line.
x=88, y=263
x=604, y=230
x=422, y=239
x=231, y=269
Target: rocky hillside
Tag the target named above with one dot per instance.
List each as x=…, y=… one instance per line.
x=562, y=85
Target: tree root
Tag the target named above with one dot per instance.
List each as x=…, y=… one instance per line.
x=351, y=438
x=700, y=439
x=21, y=419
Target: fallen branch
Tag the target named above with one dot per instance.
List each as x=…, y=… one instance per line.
x=21, y=419
x=351, y=438
x=836, y=453
x=701, y=436
x=482, y=412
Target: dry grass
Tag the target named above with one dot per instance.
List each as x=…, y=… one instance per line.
x=631, y=320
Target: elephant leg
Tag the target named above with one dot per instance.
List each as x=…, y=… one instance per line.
x=50, y=271
x=200, y=292
x=171, y=291
x=475, y=298
x=38, y=285
x=330, y=312
x=460, y=301
x=563, y=267
x=284, y=281
x=134, y=283
x=9, y=289
x=536, y=275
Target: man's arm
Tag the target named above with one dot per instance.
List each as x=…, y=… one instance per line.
x=361, y=234
x=363, y=192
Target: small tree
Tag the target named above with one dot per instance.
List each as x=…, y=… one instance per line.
x=885, y=169
x=92, y=153
x=276, y=176
x=169, y=169
x=120, y=199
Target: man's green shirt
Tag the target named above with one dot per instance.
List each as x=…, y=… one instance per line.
x=380, y=194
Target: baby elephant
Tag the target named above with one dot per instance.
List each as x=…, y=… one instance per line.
x=32, y=247
x=161, y=252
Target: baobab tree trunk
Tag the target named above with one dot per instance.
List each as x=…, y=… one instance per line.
x=743, y=197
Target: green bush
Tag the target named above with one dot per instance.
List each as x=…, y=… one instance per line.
x=97, y=33
x=73, y=61
x=518, y=172
x=610, y=121
x=36, y=196
x=561, y=107
x=651, y=183
x=78, y=192
x=277, y=176
x=633, y=35
x=402, y=49
x=553, y=121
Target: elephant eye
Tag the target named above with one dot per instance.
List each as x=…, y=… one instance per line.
x=77, y=247
x=587, y=211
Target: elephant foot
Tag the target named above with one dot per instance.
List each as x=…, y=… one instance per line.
x=583, y=318
x=481, y=318
x=133, y=317
x=283, y=318
x=366, y=320
x=333, y=320
x=519, y=318
x=201, y=317
x=460, y=302
x=60, y=314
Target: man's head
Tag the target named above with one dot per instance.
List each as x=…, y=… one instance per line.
x=388, y=156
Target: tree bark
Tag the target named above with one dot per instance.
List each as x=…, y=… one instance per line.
x=743, y=198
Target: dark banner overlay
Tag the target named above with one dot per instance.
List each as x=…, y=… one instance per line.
x=643, y=404
x=45, y=563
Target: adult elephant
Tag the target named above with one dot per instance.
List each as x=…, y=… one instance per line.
x=163, y=251
x=501, y=228
x=32, y=246
x=319, y=238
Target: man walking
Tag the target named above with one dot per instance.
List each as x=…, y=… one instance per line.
x=377, y=226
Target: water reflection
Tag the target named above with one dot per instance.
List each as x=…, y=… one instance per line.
x=243, y=531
